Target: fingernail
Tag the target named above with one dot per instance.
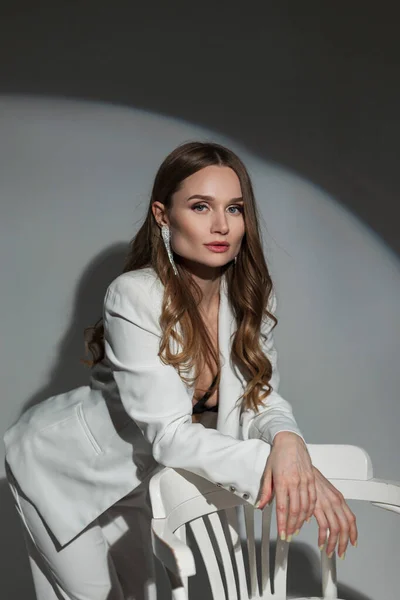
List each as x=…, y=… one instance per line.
x=321, y=547
x=283, y=536
x=343, y=556
x=289, y=538
x=331, y=554
x=257, y=504
x=308, y=520
x=297, y=532
x=355, y=544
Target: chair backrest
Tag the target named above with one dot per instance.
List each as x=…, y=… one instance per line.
x=182, y=500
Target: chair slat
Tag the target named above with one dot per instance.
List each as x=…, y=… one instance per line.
x=251, y=549
x=210, y=561
x=181, y=534
x=266, y=591
x=328, y=575
x=280, y=572
x=234, y=532
x=225, y=556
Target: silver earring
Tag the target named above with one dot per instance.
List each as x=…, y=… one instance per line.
x=235, y=259
x=166, y=236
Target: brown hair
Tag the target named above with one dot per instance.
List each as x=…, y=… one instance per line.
x=249, y=284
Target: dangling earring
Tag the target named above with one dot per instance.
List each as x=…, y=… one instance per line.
x=166, y=236
x=235, y=259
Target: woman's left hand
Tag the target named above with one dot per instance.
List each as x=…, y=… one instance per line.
x=289, y=474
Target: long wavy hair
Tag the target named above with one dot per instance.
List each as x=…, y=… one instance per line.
x=249, y=284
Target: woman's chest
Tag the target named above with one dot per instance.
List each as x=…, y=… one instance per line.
x=207, y=374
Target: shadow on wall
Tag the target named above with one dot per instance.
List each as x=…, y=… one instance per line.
x=68, y=372
x=313, y=89
x=15, y=574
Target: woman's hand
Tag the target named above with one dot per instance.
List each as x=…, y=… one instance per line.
x=332, y=512
x=289, y=472
x=301, y=491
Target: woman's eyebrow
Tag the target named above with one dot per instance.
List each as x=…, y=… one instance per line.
x=211, y=198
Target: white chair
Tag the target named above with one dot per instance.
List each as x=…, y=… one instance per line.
x=180, y=499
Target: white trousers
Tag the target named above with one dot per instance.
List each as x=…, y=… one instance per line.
x=111, y=559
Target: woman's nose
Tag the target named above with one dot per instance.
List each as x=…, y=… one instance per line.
x=220, y=223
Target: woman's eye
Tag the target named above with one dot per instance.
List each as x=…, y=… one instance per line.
x=239, y=208
x=199, y=206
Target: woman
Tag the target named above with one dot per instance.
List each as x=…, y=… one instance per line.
x=184, y=375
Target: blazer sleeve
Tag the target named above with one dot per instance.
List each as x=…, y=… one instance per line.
x=277, y=414
x=156, y=398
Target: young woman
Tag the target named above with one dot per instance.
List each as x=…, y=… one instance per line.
x=184, y=375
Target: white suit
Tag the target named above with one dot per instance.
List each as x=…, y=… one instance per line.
x=78, y=453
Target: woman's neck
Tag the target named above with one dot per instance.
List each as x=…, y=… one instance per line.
x=209, y=280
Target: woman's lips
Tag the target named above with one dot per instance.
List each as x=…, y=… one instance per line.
x=217, y=247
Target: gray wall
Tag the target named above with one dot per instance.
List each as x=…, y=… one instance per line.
x=93, y=99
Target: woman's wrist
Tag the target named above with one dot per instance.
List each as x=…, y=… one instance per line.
x=283, y=436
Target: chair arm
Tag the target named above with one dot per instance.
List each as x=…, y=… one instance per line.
x=341, y=461
x=380, y=492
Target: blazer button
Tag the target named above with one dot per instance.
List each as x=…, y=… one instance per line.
x=246, y=496
x=232, y=488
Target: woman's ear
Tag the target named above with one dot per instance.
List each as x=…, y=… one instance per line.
x=159, y=213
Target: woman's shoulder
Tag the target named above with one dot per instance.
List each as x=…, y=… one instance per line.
x=139, y=286
x=146, y=279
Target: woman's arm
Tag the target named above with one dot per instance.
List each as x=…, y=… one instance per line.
x=155, y=397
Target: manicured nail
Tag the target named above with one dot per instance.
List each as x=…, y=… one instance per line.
x=331, y=554
x=355, y=544
x=283, y=535
x=289, y=538
x=297, y=532
x=321, y=547
x=257, y=504
x=343, y=556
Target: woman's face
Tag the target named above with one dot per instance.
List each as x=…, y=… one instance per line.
x=207, y=209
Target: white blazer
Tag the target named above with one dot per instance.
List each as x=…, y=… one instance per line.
x=77, y=453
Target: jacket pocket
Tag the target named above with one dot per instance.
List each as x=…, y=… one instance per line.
x=85, y=428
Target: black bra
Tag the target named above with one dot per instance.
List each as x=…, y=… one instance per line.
x=199, y=406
